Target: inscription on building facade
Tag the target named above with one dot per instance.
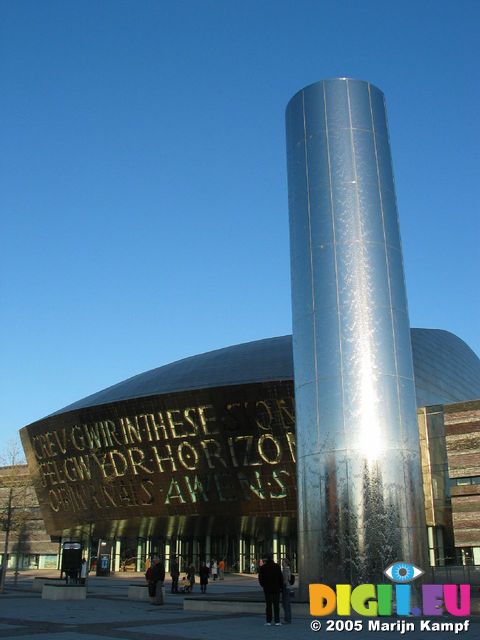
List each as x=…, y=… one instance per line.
x=168, y=461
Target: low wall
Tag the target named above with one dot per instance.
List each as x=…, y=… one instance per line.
x=63, y=592
x=138, y=592
x=38, y=583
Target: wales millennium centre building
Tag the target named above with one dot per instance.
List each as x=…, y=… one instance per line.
x=309, y=446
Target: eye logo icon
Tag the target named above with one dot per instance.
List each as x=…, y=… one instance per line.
x=403, y=572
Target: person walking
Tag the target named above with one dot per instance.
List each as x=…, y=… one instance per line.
x=204, y=573
x=287, y=581
x=158, y=577
x=221, y=569
x=174, y=574
x=271, y=580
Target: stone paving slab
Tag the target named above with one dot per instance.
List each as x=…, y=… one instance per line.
x=177, y=625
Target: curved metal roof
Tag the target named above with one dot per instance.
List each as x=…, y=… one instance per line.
x=446, y=370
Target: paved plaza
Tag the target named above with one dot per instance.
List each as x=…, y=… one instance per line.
x=108, y=613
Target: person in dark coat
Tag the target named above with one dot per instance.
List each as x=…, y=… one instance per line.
x=150, y=583
x=271, y=580
x=175, y=574
x=204, y=571
x=158, y=577
x=72, y=576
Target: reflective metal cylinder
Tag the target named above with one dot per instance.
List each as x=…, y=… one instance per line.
x=358, y=460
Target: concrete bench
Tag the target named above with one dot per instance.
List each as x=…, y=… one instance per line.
x=63, y=592
x=39, y=582
x=138, y=592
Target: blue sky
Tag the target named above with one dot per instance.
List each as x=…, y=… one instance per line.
x=143, y=175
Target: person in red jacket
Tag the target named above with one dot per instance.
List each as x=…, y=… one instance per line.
x=271, y=580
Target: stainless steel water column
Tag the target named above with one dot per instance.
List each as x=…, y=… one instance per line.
x=358, y=462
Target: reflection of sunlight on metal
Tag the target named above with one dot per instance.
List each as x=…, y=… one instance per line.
x=370, y=439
